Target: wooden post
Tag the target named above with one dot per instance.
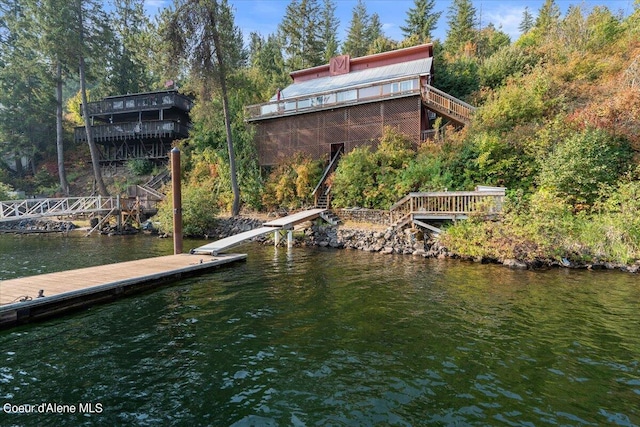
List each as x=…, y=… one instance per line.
x=177, y=201
x=290, y=238
x=276, y=237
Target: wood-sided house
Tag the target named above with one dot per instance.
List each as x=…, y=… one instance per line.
x=338, y=106
x=137, y=126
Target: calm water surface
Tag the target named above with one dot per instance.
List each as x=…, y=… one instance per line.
x=313, y=337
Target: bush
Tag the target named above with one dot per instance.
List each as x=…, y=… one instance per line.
x=5, y=189
x=578, y=167
x=139, y=167
x=199, y=211
x=370, y=179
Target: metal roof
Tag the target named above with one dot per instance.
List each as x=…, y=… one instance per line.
x=415, y=68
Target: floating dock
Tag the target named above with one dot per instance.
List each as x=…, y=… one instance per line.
x=71, y=290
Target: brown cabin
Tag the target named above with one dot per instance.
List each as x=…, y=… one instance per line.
x=137, y=126
x=338, y=106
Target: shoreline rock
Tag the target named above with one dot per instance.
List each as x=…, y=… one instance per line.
x=36, y=226
x=392, y=241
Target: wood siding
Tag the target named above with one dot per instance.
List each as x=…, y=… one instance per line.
x=312, y=134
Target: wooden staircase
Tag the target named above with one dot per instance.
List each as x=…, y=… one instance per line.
x=322, y=192
x=447, y=106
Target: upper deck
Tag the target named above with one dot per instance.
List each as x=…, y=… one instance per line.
x=139, y=102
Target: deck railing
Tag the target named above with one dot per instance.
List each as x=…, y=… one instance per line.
x=140, y=102
x=387, y=89
x=447, y=204
x=448, y=105
x=34, y=208
x=131, y=130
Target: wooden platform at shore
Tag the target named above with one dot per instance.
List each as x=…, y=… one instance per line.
x=68, y=290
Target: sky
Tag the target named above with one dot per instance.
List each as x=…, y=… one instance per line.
x=263, y=16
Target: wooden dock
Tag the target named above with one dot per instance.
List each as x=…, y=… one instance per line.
x=70, y=290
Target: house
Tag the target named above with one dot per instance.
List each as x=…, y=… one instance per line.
x=137, y=126
x=336, y=107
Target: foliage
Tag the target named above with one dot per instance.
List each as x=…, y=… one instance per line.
x=521, y=100
x=421, y=20
x=300, y=33
x=363, y=31
x=461, y=18
x=578, y=167
x=368, y=178
x=140, y=167
x=290, y=184
x=546, y=229
x=5, y=189
x=199, y=210
x=508, y=61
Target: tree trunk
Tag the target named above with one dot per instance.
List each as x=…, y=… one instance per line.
x=64, y=185
x=95, y=155
x=235, y=209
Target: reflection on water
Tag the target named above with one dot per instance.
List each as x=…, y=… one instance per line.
x=324, y=337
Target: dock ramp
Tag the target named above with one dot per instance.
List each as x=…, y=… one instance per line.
x=284, y=223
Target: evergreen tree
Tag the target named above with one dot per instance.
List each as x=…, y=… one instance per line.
x=421, y=20
x=462, y=20
x=527, y=22
x=548, y=16
x=300, y=31
x=129, y=72
x=26, y=99
x=55, y=37
x=330, y=24
x=358, y=37
x=92, y=33
x=267, y=61
x=204, y=35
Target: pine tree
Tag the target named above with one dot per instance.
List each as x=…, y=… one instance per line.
x=26, y=98
x=527, y=22
x=91, y=31
x=421, y=20
x=129, y=72
x=329, y=31
x=203, y=35
x=548, y=16
x=300, y=31
x=358, y=37
x=461, y=18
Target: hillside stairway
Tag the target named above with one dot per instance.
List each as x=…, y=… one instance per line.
x=322, y=192
x=446, y=105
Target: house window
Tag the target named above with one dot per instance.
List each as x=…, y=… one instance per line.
x=347, y=95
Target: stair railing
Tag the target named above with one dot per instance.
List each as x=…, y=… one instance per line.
x=321, y=189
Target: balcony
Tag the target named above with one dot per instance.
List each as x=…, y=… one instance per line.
x=134, y=130
x=140, y=102
x=371, y=92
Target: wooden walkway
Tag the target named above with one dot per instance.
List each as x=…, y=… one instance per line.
x=74, y=289
x=284, y=223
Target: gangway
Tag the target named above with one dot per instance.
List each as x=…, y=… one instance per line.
x=285, y=223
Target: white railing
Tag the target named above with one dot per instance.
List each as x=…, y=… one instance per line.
x=34, y=208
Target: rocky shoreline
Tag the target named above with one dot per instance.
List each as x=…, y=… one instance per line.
x=392, y=241
x=36, y=226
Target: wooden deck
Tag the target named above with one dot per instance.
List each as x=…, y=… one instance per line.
x=74, y=289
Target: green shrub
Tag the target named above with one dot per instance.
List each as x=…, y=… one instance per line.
x=578, y=167
x=199, y=211
x=139, y=167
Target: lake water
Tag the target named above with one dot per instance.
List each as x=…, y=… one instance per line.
x=320, y=337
